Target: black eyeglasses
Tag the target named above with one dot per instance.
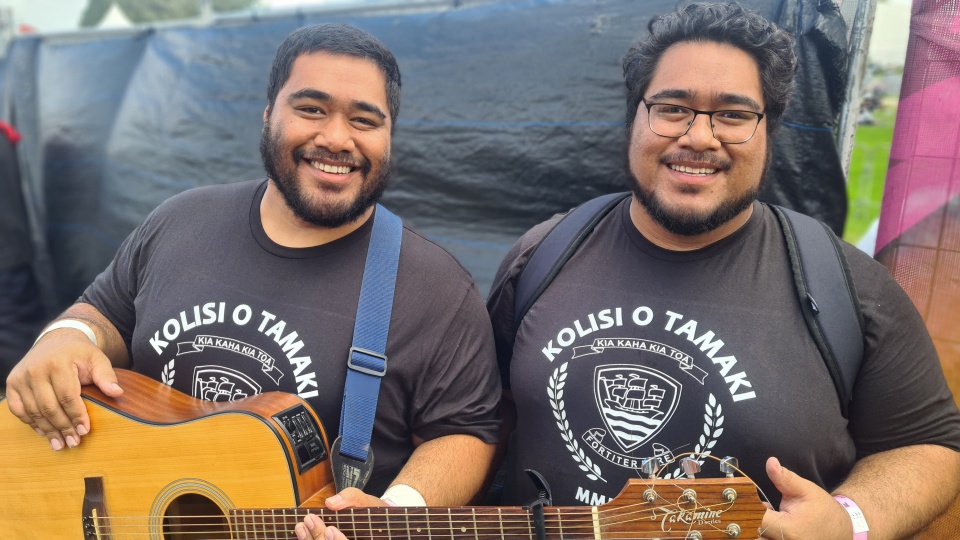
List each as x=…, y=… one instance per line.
x=728, y=126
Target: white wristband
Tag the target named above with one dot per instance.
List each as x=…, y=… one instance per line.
x=403, y=495
x=71, y=323
x=860, y=528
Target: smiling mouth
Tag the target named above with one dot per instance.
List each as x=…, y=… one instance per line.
x=333, y=169
x=695, y=171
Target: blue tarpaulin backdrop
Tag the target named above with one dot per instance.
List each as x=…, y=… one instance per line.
x=511, y=111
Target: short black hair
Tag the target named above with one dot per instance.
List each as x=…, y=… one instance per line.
x=730, y=24
x=335, y=39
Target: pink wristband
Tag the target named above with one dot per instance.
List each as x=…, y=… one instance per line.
x=856, y=516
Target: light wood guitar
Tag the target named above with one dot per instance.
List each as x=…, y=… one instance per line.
x=159, y=465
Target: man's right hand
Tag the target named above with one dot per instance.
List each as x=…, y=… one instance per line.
x=43, y=390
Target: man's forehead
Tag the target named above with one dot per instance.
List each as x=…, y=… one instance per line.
x=336, y=73
x=316, y=65
x=707, y=72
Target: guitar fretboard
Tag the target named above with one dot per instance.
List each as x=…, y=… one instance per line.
x=421, y=523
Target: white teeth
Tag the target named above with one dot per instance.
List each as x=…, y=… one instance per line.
x=692, y=170
x=330, y=168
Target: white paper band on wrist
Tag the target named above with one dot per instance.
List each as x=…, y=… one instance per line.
x=403, y=495
x=71, y=323
x=860, y=528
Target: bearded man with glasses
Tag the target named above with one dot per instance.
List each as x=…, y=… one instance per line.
x=676, y=328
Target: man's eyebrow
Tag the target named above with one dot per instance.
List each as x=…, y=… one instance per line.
x=671, y=93
x=370, y=108
x=309, y=93
x=739, y=99
x=727, y=98
x=320, y=95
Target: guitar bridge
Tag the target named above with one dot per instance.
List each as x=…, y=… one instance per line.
x=94, y=512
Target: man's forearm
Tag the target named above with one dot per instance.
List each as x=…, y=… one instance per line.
x=901, y=490
x=449, y=470
x=108, y=338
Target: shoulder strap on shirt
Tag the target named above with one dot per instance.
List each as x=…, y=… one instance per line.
x=556, y=248
x=827, y=297
x=351, y=454
x=821, y=276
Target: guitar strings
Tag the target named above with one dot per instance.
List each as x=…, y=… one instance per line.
x=385, y=529
x=761, y=530
x=517, y=521
x=424, y=514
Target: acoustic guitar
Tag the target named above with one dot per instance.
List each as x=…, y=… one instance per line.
x=160, y=465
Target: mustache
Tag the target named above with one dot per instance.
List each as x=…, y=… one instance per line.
x=712, y=160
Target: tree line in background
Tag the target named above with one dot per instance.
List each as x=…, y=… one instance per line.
x=147, y=11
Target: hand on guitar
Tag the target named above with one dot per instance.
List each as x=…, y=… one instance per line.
x=43, y=389
x=806, y=510
x=313, y=528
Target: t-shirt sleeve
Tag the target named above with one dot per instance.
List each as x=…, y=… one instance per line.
x=901, y=397
x=500, y=301
x=461, y=394
x=114, y=291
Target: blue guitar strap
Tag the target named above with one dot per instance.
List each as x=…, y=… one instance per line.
x=351, y=454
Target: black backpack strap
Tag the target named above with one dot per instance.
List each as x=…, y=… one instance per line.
x=556, y=248
x=827, y=297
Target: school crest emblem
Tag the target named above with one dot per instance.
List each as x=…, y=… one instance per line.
x=635, y=402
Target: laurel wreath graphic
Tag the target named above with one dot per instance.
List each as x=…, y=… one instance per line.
x=555, y=391
x=712, y=420
x=168, y=372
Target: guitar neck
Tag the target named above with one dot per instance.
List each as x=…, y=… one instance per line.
x=422, y=523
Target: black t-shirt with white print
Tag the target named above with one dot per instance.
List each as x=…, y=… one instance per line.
x=209, y=305
x=635, y=351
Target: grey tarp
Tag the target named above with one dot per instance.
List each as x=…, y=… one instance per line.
x=511, y=111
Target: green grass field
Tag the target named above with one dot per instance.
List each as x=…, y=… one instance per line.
x=868, y=170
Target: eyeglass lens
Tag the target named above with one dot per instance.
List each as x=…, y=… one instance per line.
x=728, y=126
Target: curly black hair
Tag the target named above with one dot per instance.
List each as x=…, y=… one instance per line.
x=729, y=24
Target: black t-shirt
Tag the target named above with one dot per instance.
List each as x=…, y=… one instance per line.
x=208, y=304
x=635, y=351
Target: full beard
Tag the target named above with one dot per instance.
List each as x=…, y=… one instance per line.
x=686, y=222
x=282, y=173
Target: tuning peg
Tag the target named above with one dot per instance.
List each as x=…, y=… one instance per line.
x=649, y=467
x=729, y=465
x=690, y=467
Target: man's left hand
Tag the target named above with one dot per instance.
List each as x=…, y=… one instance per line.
x=352, y=498
x=313, y=528
x=806, y=510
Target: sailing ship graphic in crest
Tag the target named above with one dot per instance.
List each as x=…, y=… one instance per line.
x=218, y=383
x=635, y=402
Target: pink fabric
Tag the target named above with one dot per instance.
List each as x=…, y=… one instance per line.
x=924, y=170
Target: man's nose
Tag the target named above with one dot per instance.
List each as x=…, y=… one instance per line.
x=700, y=134
x=335, y=135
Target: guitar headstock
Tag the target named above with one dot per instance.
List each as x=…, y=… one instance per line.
x=689, y=508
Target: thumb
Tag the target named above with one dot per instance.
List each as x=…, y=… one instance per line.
x=788, y=483
x=352, y=498
x=104, y=377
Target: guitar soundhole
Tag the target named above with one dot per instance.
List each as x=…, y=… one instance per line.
x=193, y=516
